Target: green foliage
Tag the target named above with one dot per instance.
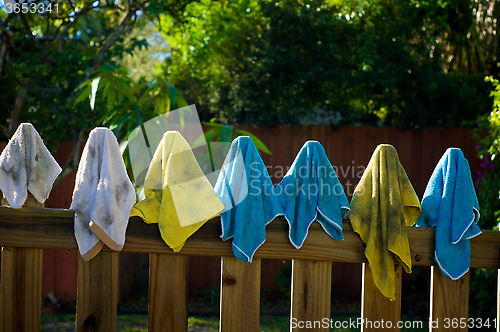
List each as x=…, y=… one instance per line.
x=488, y=178
x=124, y=103
x=45, y=57
x=487, y=134
x=278, y=62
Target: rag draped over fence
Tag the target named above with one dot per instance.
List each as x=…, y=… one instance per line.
x=181, y=200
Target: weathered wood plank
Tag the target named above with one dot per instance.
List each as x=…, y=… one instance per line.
x=240, y=295
x=311, y=295
x=21, y=285
x=449, y=302
x=97, y=293
x=376, y=309
x=167, y=293
x=53, y=229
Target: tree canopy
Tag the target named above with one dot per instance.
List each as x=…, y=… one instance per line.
x=411, y=64
x=405, y=63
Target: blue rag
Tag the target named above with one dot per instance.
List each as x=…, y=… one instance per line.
x=450, y=204
x=247, y=192
x=311, y=191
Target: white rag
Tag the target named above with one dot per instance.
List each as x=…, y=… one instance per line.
x=26, y=164
x=103, y=195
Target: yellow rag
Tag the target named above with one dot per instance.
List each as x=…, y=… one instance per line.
x=383, y=203
x=178, y=195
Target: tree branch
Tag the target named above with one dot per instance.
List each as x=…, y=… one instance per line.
x=33, y=38
x=85, y=10
x=18, y=106
x=113, y=37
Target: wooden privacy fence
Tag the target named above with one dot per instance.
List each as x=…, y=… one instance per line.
x=23, y=232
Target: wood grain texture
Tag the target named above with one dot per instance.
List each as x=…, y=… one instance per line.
x=311, y=294
x=240, y=295
x=53, y=229
x=375, y=307
x=449, y=300
x=21, y=285
x=167, y=309
x=97, y=293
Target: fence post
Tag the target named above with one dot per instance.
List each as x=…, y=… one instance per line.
x=240, y=295
x=450, y=301
x=97, y=293
x=21, y=285
x=167, y=293
x=311, y=294
x=375, y=307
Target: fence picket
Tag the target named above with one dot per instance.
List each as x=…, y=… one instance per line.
x=240, y=295
x=375, y=307
x=167, y=293
x=97, y=293
x=450, y=301
x=21, y=285
x=311, y=295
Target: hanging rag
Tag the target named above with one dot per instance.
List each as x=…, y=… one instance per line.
x=247, y=192
x=103, y=195
x=26, y=164
x=450, y=204
x=311, y=191
x=179, y=198
x=383, y=204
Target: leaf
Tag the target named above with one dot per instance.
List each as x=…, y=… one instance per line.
x=136, y=109
x=159, y=104
x=213, y=124
x=136, y=89
x=225, y=133
x=86, y=83
x=85, y=94
x=93, y=92
x=258, y=143
x=172, y=94
x=126, y=70
x=111, y=99
x=123, y=146
x=181, y=102
x=106, y=67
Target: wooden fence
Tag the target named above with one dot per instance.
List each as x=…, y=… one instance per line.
x=24, y=232
x=349, y=149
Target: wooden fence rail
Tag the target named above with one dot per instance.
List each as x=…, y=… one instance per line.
x=39, y=228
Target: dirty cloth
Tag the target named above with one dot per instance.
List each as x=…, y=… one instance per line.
x=245, y=188
x=26, y=164
x=383, y=204
x=311, y=191
x=450, y=204
x=179, y=198
x=103, y=195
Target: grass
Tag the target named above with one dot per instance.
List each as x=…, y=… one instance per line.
x=138, y=323
x=203, y=311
